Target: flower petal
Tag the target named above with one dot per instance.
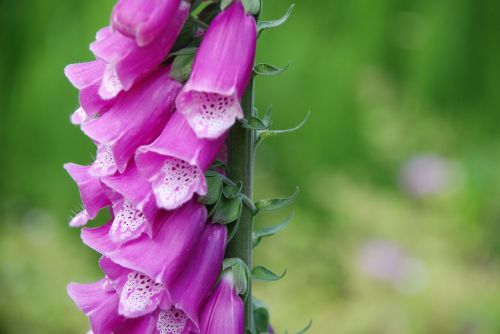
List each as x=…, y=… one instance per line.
x=92, y=192
x=176, y=161
x=143, y=20
x=136, y=119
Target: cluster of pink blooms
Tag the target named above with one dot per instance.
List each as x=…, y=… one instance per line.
x=155, y=138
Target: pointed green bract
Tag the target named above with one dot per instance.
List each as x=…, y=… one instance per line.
x=261, y=273
x=257, y=236
x=254, y=123
x=304, y=330
x=268, y=69
x=263, y=135
x=276, y=203
x=263, y=25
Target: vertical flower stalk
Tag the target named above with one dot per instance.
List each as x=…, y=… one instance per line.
x=241, y=151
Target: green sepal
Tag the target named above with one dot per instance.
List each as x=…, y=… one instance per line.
x=276, y=203
x=225, y=3
x=232, y=191
x=261, y=273
x=181, y=67
x=263, y=25
x=214, y=190
x=244, y=198
x=263, y=135
x=260, y=315
x=254, y=123
x=227, y=210
x=241, y=274
x=268, y=70
x=304, y=330
x=257, y=236
x=190, y=50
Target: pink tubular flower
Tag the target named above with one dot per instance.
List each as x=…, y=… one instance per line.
x=221, y=72
x=224, y=310
x=143, y=20
x=139, y=294
x=87, y=77
x=130, y=293
x=135, y=120
x=127, y=293
x=134, y=206
x=176, y=161
x=99, y=302
x=162, y=257
x=126, y=62
x=92, y=193
x=199, y=275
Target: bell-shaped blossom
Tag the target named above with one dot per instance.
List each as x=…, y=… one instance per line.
x=220, y=74
x=162, y=257
x=132, y=293
x=134, y=206
x=224, y=311
x=99, y=302
x=198, y=278
x=126, y=62
x=176, y=161
x=87, y=77
x=139, y=294
x=135, y=120
x=143, y=20
x=92, y=192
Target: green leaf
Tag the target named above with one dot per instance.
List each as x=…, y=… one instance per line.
x=263, y=135
x=268, y=70
x=251, y=6
x=260, y=315
x=232, y=191
x=257, y=236
x=304, y=330
x=261, y=273
x=263, y=25
x=227, y=211
x=254, y=123
x=214, y=189
x=276, y=203
x=181, y=67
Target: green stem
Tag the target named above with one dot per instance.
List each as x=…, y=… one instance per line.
x=241, y=145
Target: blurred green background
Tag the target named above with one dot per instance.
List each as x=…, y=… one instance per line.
x=397, y=226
